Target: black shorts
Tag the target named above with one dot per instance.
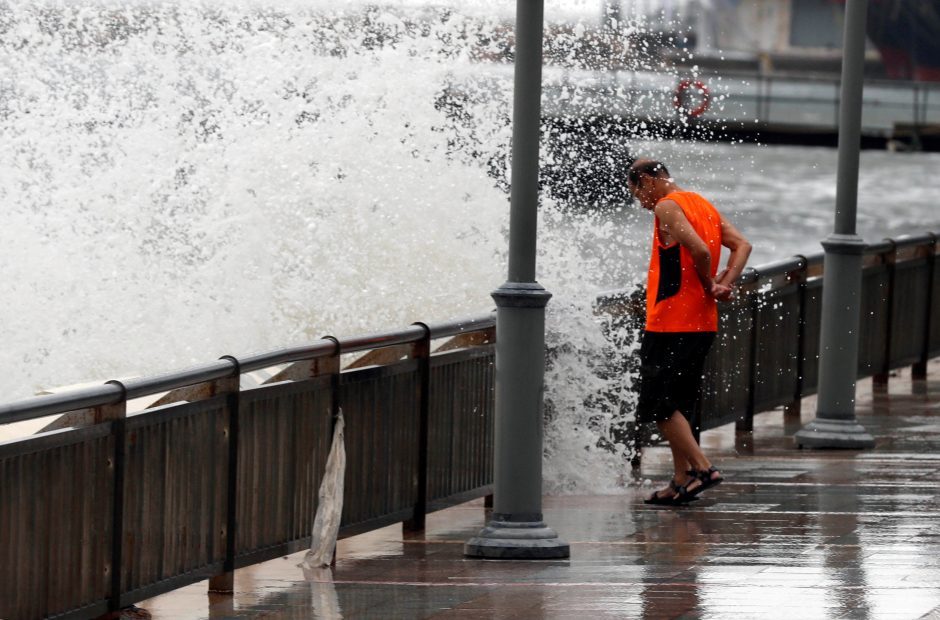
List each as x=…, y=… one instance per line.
x=671, y=366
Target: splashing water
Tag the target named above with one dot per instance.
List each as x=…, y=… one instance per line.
x=182, y=181
x=186, y=181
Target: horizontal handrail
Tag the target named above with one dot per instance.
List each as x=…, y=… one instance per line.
x=906, y=241
x=463, y=326
x=318, y=349
x=750, y=274
x=880, y=247
x=114, y=391
x=51, y=404
x=383, y=339
x=145, y=386
x=781, y=267
x=814, y=260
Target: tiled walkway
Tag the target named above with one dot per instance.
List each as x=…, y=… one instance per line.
x=790, y=534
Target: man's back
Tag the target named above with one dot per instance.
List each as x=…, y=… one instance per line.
x=675, y=298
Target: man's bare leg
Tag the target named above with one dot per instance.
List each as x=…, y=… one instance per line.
x=678, y=433
x=682, y=465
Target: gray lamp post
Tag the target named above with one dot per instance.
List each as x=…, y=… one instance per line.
x=835, y=425
x=516, y=529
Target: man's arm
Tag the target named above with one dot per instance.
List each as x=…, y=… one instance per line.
x=678, y=227
x=740, y=248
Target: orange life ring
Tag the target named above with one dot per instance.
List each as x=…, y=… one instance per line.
x=679, y=100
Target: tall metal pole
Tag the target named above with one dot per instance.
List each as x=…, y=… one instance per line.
x=835, y=425
x=517, y=530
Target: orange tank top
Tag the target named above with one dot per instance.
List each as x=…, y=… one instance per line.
x=675, y=298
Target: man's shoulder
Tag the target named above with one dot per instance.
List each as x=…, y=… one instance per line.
x=703, y=202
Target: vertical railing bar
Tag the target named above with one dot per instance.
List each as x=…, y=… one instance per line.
x=794, y=409
x=465, y=460
x=479, y=426
x=919, y=368
x=490, y=420
x=463, y=453
x=225, y=583
x=880, y=378
x=746, y=424
x=118, y=415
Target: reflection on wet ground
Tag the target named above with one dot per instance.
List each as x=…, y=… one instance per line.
x=790, y=534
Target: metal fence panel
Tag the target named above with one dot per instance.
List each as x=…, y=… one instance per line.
x=380, y=406
x=812, y=324
x=55, y=525
x=874, y=320
x=727, y=374
x=168, y=494
x=175, y=497
x=778, y=332
x=909, y=311
x=284, y=438
x=461, y=422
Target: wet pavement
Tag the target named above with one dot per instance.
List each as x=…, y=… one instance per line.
x=790, y=534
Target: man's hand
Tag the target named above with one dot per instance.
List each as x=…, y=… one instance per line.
x=721, y=292
x=720, y=278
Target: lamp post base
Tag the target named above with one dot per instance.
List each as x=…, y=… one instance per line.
x=823, y=433
x=513, y=540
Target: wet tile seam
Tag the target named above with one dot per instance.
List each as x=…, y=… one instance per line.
x=604, y=584
x=714, y=511
x=828, y=485
x=666, y=543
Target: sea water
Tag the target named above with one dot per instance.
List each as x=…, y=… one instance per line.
x=186, y=180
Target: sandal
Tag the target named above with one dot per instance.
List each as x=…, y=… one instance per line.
x=705, y=477
x=684, y=495
x=657, y=500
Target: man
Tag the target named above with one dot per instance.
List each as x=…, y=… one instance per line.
x=681, y=316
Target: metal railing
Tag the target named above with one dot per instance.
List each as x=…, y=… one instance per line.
x=766, y=353
x=114, y=507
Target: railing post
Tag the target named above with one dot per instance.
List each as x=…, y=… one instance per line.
x=792, y=412
x=229, y=386
x=880, y=378
x=919, y=368
x=746, y=424
x=117, y=414
x=421, y=351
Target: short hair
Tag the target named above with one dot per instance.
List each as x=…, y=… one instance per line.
x=648, y=167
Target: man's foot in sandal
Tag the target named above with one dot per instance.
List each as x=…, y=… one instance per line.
x=689, y=491
x=664, y=497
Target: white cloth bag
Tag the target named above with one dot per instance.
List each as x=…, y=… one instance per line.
x=330, y=503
